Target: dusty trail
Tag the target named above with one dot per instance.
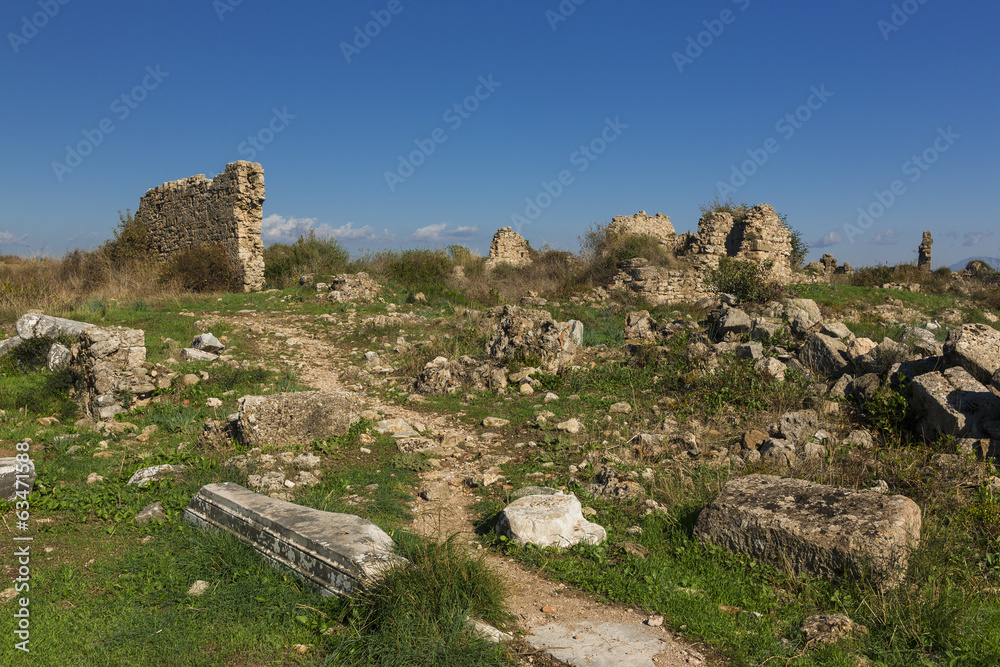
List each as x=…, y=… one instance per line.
x=582, y=631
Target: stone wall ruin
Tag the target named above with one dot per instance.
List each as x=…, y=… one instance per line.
x=508, y=247
x=227, y=209
x=658, y=226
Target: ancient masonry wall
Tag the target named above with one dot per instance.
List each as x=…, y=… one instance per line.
x=658, y=226
x=508, y=247
x=227, y=209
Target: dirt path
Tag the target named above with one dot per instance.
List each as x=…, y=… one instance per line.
x=581, y=630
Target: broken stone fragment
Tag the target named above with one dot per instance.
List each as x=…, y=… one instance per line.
x=192, y=354
x=549, y=521
x=207, y=342
x=151, y=512
x=11, y=471
x=9, y=344
x=59, y=358
x=814, y=529
x=824, y=354
x=976, y=348
x=954, y=403
x=147, y=476
x=294, y=417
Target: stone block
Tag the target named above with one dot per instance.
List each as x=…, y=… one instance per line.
x=813, y=529
x=9, y=344
x=59, y=358
x=297, y=417
x=954, y=403
x=824, y=355
x=207, y=342
x=337, y=553
x=11, y=472
x=976, y=348
x=554, y=520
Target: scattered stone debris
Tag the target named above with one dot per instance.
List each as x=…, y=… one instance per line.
x=533, y=333
x=830, y=628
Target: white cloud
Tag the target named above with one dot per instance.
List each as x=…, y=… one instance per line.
x=833, y=238
x=7, y=238
x=975, y=238
x=439, y=232
x=276, y=227
x=888, y=237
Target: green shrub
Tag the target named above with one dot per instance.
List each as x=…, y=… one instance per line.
x=131, y=241
x=205, y=268
x=284, y=262
x=604, y=249
x=748, y=281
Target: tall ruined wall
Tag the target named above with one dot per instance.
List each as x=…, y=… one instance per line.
x=658, y=226
x=227, y=209
x=766, y=238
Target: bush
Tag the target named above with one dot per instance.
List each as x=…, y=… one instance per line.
x=205, y=268
x=748, y=281
x=604, y=249
x=130, y=242
x=284, y=262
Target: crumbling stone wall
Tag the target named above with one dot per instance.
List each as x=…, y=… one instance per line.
x=508, y=247
x=760, y=237
x=227, y=209
x=659, y=286
x=108, y=367
x=658, y=226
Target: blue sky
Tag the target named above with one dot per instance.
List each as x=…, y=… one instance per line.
x=816, y=108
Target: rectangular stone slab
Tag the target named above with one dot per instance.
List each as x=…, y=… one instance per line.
x=814, y=529
x=336, y=552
